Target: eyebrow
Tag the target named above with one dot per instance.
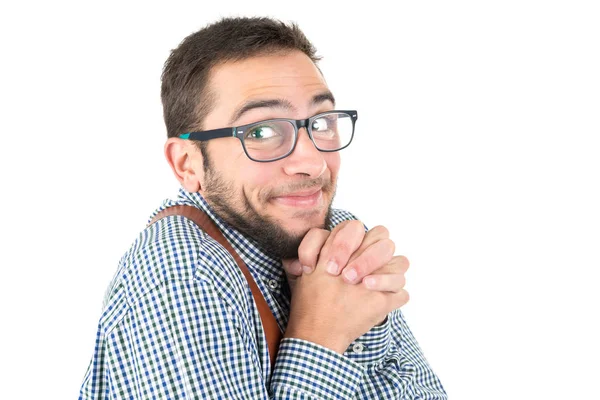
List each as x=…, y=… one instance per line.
x=279, y=103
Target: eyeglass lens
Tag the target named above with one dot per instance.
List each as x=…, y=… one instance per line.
x=270, y=140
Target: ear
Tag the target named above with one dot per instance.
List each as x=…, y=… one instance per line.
x=185, y=160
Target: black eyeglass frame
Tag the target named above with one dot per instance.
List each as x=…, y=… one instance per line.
x=239, y=131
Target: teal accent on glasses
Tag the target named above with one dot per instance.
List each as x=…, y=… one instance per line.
x=184, y=135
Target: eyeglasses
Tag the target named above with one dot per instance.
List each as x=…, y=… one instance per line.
x=274, y=139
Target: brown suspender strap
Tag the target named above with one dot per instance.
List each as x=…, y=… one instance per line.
x=272, y=332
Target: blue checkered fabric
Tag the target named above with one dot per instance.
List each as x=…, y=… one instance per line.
x=179, y=322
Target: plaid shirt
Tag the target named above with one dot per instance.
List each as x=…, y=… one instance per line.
x=179, y=322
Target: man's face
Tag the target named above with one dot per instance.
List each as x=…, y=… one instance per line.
x=274, y=203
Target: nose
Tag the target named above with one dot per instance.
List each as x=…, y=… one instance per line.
x=306, y=159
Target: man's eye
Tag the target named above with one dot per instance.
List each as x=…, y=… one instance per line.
x=261, y=132
x=323, y=124
x=319, y=124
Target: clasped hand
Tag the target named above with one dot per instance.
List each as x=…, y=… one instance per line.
x=343, y=283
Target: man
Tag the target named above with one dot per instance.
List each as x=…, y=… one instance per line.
x=253, y=139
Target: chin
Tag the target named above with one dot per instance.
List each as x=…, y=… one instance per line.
x=302, y=222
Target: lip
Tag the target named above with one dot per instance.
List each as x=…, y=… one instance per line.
x=304, y=198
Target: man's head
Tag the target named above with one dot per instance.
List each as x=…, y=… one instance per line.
x=236, y=72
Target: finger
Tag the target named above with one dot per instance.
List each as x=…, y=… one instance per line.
x=292, y=266
x=340, y=245
x=402, y=263
x=373, y=258
x=385, y=282
x=309, y=249
x=383, y=303
x=374, y=235
x=398, y=265
x=397, y=300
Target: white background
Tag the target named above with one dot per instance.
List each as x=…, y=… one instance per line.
x=477, y=146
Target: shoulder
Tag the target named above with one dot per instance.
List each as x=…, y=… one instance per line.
x=175, y=249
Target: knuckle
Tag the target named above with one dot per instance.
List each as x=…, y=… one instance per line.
x=398, y=264
x=350, y=227
x=304, y=251
x=380, y=231
x=366, y=264
x=389, y=245
x=347, y=242
x=315, y=233
x=398, y=300
x=387, y=269
x=377, y=256
x=405, y=263
x=356, y=225
x=341, y=226
x=340, y=247
x=310, y=246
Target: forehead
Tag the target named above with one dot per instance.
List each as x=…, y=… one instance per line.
x=289, y=76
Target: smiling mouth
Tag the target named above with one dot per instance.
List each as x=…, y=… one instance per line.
x=304, y=199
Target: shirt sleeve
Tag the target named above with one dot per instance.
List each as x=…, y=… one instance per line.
x=394, y=365
x=183, y=340
x=305, y=370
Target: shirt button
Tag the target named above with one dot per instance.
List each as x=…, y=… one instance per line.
x=273, y=284
x=358, y=347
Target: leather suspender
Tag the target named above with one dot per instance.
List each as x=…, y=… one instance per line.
x=272, y=332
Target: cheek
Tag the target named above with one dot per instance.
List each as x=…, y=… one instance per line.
x=333, y=163
x=246, y=176
x=254, y=177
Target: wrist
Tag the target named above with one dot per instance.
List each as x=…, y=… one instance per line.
x=327, y=340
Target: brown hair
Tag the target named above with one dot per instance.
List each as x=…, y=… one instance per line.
x=185, y=95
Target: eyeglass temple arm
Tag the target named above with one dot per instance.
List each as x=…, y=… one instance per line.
x=207, y=135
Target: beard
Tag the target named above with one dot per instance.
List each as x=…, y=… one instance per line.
x=263, y=230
